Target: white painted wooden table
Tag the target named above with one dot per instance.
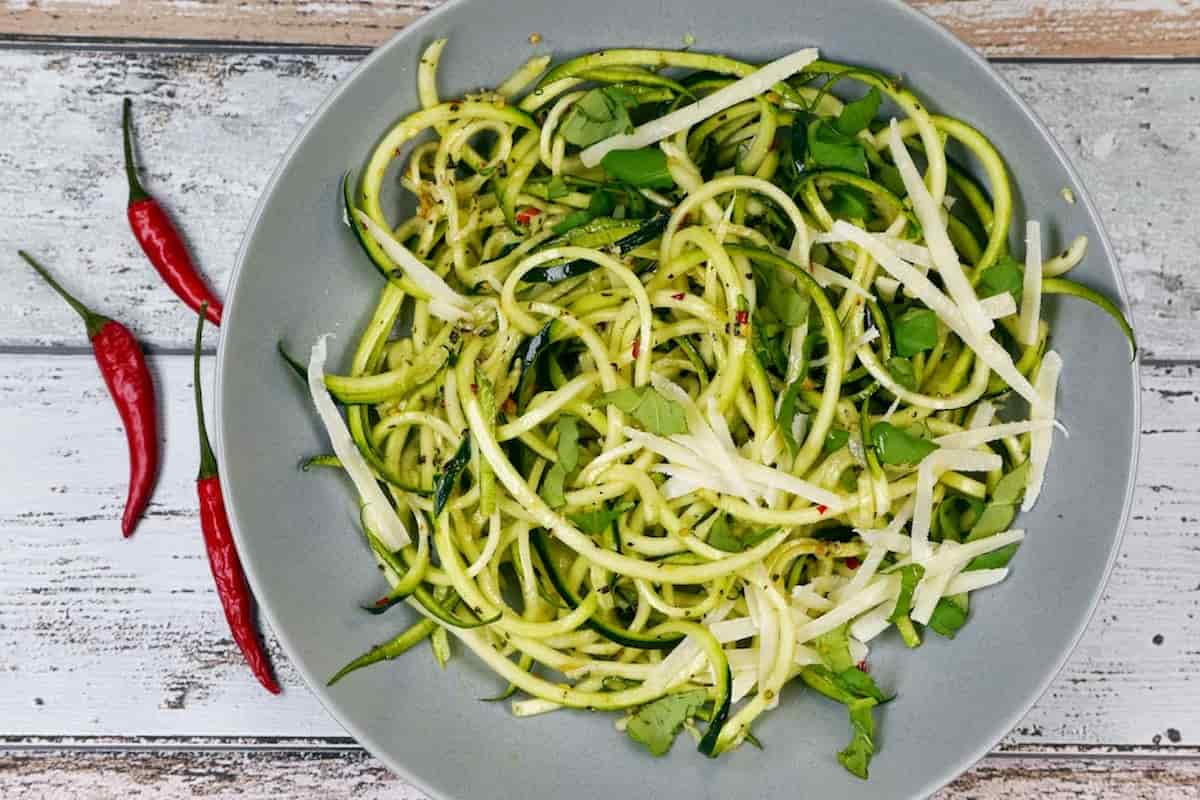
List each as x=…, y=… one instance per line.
x=117, y=674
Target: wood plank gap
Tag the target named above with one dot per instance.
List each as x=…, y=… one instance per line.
x=346, y=744
x=73, y=351
x=135, y=44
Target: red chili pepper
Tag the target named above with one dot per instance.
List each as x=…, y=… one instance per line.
x=822, y=508
x=743, y=317
x=222, y=552
x=160, y=240
x=853, y=563
x=862, y=666
x=679, y=296
x=526, y=215
x=637, y=347
x=128, y=378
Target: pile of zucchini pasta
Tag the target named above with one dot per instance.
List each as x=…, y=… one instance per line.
x=686, y=380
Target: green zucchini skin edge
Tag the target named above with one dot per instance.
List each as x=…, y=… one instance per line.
x=573, y=269
x=614, y=633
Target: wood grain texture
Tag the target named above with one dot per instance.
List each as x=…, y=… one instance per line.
x=212, y=128
x=351, y=773
x=104, y=637
x=1009, y=28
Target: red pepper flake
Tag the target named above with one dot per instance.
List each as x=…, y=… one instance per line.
x=474, y=389
x=821, y=509
x=743, y=317
x=382, y=602
x=853, y=563
x=637, y=347
x=679, y=296
x=862, y=666
x=526, y=215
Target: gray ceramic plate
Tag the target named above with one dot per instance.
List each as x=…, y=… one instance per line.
x=300, y=274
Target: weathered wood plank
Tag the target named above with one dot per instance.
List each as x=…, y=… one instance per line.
x=134, y=628
x=1011, y=28
x=213, y=126
x=264, y=775
x=1066, y=29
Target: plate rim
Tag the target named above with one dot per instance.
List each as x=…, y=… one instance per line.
x=1004, y=725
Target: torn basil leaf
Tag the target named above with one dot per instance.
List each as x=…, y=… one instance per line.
x=599, y=114
x=897, y=446
x=656, y=724
x=915, y=331
x=655, y=413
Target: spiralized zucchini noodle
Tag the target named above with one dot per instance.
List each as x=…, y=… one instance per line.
x=687, y=379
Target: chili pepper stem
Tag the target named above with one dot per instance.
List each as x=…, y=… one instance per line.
x=208, y=462
x=91, y=319
x=136, y=192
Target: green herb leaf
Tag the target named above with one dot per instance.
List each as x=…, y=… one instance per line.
x=656, y=724
x=576, y=219
x=952, y=512
x=834, y=533
x=597, y=521
x=568, y=442
x=834, y=648
x=1011, y=488
x=994, y=518
x=947, y=618
x=857, y=115
x=910, y=576
x=767, y=341
x=597, y=115
x=831, y=149
x=655, y=413
x=720, y=536
x=819, y=678
x=836, y=440
x=445, y=481
x=902, y=372
x=889, y=176
x=849, y=202
x=601, y=203
x=859, y=684
x=627, y=399
x=645, y=168
x=724, y=536
x=915, y=331
x=993, y=560
x=787, y=304
x=1003, y=276
x=786, y=418
x=556, y=188
x=998, y=515
x=856, y=758
x=553, y=486
x=897, y=446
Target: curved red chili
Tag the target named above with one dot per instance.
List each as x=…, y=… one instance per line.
x=222, y=552
x=160, y=240
x=128, y=378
